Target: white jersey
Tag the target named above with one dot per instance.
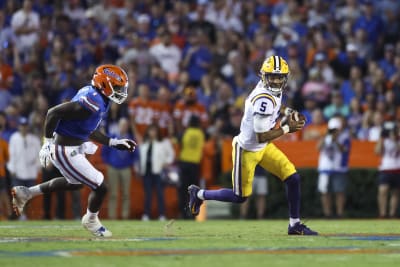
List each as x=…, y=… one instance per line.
x=331, y=159
x=260, y=101
x=391, y=155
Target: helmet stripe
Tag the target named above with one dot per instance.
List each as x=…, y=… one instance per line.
x=277, y=62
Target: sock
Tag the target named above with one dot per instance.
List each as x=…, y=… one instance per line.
x=35, y=190
x=92, y=215
x=200, y=194
x=293, y=195
x=293, y=221
x=224, y=194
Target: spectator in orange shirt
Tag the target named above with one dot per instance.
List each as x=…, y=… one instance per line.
x=141, y=111
x=317, y=128
x=163, y=111
x=188, y=107
x=6, y=75
x=5, y=207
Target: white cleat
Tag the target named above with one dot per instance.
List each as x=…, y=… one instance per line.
x=20, y=195
x=95, y=227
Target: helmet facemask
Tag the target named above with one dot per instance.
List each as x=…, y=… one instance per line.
x=119, y=93
x=274, y=82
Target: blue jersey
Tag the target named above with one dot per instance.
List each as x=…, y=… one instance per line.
x=89, y=98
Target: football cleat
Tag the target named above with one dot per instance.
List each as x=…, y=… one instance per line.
x=194, y=201
x=300, y=229
x=95, y=227
x=20, y=195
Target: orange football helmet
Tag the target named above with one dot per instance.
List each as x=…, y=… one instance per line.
x=112, y=81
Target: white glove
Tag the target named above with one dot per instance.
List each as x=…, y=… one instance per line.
x=45, y=152
x=123, y=144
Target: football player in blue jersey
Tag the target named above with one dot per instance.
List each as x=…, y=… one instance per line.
x=67, y=129
x=253, y=146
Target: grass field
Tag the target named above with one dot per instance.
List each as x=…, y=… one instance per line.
x=225, y=243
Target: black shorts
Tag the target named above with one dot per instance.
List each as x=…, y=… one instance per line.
x=391, y=179
x=3, y=184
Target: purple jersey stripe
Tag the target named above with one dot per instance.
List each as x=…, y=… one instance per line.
x=62, y=166
x=87, y=105
x=234, y=170
x=92, y=102
x=65, y=169
x=240, y=170
x=78, y=174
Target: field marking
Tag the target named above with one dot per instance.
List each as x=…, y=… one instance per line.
x=69, y=239
x=361, y=234
x=368, y=237
x=358, y=236
x=41, y=226
x=169, y=252
x=175, y=252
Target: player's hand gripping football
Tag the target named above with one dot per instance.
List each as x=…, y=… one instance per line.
x=293, y=122
x=123, y=144
x=296, y=121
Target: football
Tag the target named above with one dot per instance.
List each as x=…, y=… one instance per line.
x=296, y=116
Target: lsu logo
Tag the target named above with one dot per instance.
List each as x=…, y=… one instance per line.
x=112, y=74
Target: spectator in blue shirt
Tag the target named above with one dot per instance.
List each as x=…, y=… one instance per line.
x=369, y=21
x=119, y=166
x=197, y=58
x=347, y=59
x=387, y=62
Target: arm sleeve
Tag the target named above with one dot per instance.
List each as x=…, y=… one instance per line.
x=89, y=103
x=262, y=123
x=263, y=106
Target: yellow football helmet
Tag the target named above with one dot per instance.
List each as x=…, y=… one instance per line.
x=274, y=74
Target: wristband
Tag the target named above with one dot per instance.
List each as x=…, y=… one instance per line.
x=112, y=142
x=285, y=129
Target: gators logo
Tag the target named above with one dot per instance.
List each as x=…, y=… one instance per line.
x=109, y=72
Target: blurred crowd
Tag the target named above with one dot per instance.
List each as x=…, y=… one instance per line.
x=201, y=58
x=344, y=57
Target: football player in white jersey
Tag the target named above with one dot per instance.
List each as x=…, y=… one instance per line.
x=253, y=146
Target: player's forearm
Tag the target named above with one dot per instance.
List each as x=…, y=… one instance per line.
x=100, y=137
x=285, y=110
x=269, y=135
x=64, y=111
x=51, y=122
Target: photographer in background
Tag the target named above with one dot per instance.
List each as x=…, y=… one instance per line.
x=334, y=153
x=388, y=147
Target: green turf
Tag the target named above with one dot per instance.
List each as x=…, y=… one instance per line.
x=212, y=243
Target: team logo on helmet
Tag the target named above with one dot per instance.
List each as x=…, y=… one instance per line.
x=109, y=72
